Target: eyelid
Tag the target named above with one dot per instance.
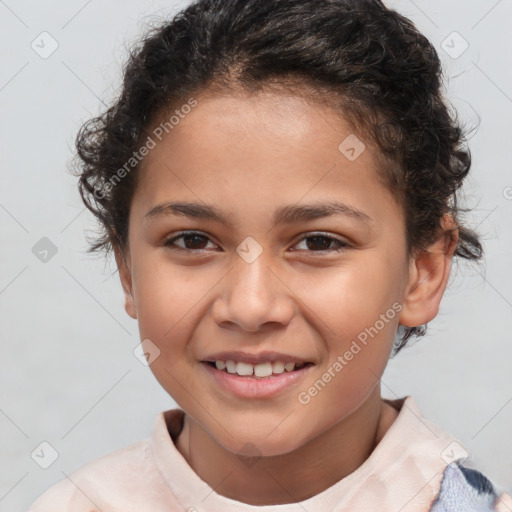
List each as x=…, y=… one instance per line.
x=181, y=234
x=343, y=244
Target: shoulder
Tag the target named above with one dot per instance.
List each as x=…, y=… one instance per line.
x=424, y=455
x=464, y=488
x=92, y=487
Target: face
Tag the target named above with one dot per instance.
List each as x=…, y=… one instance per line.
x=266, y=266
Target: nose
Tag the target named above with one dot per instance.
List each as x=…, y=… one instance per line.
x=252, y=296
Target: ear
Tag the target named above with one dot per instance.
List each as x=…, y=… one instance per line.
x=124, y=267
x=428, y=275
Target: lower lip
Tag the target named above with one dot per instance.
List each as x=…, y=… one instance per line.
x=255, y=387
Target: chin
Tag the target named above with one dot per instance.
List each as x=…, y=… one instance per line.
x=255, y=444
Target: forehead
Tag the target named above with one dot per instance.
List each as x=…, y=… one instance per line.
x=266, y=147
x=264, y=127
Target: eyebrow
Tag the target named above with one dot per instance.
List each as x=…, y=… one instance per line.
x=288, y=214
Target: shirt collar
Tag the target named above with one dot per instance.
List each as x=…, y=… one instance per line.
x=409, y=431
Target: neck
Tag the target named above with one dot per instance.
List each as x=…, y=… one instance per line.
x=294, y=476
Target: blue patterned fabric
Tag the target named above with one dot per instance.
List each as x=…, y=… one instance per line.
x=464, y=490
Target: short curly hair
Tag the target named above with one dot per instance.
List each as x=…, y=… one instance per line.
x=367, y=62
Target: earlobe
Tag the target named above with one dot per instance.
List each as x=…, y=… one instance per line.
x=429, y=271
x=124, y=267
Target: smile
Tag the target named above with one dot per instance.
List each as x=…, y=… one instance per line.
x=262, y=380
x=260, y=370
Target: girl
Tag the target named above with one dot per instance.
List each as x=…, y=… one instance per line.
x=277, y=181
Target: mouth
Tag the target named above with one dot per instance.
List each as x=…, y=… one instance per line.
x=264, y=370
x=254, y=381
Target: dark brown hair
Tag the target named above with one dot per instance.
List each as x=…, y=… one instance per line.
x=367, y=62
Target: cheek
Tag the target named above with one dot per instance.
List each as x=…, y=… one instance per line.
x=353, y=297
x=358, y=328
x=165, y=300
x=168, y=306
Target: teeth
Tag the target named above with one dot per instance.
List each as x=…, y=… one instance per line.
x=277, y=367
x=263, y=369
x=258, y=370
x=244, y=368
x=231, y=366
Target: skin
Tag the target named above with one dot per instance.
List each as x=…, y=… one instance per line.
x=248, y=156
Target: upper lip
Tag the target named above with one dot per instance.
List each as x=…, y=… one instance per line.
x=261, y=357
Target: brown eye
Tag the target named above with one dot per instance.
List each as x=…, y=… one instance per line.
x=319, y=243
x=192, y=241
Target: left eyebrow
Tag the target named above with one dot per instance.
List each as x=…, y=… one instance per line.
x=288, y=214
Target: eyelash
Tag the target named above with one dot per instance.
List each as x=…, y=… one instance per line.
x=171, y=242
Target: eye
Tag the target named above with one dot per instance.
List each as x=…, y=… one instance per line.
x=192, y=241
x=320, y=242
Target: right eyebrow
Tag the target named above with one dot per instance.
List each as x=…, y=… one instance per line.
x=193, y=210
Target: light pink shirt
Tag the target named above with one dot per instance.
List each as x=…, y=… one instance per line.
x=403, y=473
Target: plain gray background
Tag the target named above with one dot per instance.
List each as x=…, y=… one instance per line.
x=68, y=373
